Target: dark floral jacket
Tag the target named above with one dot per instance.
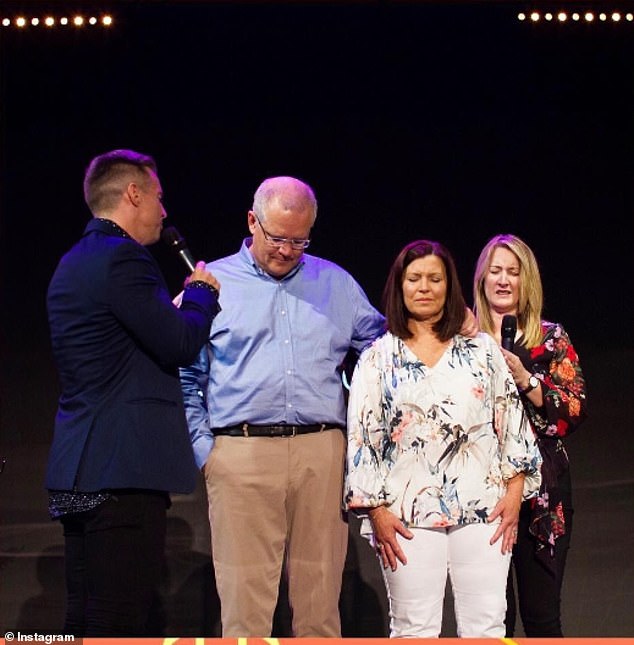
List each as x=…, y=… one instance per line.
x=556, y=364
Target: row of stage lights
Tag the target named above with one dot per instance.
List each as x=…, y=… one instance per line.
x=576, y=16
x=23, y=22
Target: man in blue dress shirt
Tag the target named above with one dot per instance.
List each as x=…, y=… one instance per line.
x=266, y=394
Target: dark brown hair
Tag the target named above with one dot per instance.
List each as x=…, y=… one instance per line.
x=396, y=314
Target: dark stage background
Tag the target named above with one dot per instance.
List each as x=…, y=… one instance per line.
x=447, y=120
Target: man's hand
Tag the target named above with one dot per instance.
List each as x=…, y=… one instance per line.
x=200, y=274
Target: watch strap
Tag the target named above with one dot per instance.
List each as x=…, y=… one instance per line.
x=533, y=382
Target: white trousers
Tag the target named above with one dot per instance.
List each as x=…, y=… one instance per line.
x=477, y=571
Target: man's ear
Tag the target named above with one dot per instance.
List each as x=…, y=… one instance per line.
x=251, y=221
x=133, y=194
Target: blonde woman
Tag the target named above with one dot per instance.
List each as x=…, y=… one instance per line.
x=547, y=372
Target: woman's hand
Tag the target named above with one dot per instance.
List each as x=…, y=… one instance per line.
x=521, y=375
x=385, y=526
x=508, y=509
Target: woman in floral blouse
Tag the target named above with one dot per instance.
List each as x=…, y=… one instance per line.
x=546, y=370
x=439, y=453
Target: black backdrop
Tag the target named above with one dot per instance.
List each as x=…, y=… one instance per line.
x=448, y=120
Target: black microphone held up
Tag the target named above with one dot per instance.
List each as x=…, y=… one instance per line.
x=176, y=242
x=509, y=329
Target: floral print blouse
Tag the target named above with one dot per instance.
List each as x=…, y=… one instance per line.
x=436, y=444
x=556, y=364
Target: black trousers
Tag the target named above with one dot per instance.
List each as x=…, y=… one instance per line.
x=114, y=559
x=538, y=590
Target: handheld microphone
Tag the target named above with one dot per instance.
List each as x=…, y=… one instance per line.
x=509, y=329
x=176, y=242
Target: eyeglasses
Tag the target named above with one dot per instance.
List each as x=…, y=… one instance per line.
x=278, y=242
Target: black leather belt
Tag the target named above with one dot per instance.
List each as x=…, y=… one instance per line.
x=282, y=430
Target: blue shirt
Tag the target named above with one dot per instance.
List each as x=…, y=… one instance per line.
x=275, y=349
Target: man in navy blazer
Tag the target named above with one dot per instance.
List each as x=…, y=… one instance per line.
x=121, y=443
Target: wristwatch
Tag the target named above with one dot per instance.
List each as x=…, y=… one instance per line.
x=533, y=382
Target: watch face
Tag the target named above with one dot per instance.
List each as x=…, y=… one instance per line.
x=533, y=381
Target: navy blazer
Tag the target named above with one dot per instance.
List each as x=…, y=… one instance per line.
x=118, y=341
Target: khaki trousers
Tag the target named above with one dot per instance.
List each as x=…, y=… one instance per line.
x=268, y=496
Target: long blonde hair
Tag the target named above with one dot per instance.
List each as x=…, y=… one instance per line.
x=531, y=294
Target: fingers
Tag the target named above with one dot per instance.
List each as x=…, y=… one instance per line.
x=200, y=273
x=404, y=531
x=508, y=533
x=387, y=527
x=495, y=513
x=509, y=541
x=389, y=549
x=499, y=532
x=512, y=537
x=380, y=550
x=390, y=555
x=398, y=554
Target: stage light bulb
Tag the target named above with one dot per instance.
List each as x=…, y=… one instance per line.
x=562, y=16
x=78, y=21
x=49, y=21
x=616, y=16
x=20, y=22
x=534, y=16
x=63, y=21
x=107, y=20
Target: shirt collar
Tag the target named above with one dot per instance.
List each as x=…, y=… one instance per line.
x=106, y=226
x=248, y=258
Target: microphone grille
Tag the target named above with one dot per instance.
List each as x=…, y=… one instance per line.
x=171, y=237
x=509, y=323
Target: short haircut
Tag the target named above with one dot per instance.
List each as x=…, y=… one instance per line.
x=108, y=175
x=293, y=194
x=397, y=316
